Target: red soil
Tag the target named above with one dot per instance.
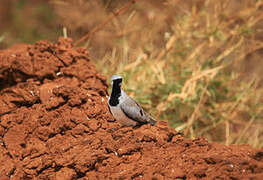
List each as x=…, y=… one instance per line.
x=55, y=124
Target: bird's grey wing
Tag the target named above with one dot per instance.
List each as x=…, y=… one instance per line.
x=133, y=110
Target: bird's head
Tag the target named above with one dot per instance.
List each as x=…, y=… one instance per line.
x=116, y=79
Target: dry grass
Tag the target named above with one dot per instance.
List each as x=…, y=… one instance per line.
x=193, y=63
x=186, y=64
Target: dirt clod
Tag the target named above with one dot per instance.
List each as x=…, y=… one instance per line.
x=55, y=124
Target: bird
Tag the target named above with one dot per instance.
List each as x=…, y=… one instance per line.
x=125, y=109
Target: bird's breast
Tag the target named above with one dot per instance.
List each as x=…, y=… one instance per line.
x=121, y=117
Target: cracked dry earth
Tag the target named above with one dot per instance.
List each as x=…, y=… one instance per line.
x=55, y=124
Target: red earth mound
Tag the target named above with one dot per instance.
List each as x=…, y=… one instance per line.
x=55, y=124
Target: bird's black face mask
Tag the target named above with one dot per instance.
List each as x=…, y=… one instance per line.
x=117, y=82
x=116, y=92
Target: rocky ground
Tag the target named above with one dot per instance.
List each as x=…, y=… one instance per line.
x=55, y=124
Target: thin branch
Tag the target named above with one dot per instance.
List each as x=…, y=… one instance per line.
x=115, y=14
